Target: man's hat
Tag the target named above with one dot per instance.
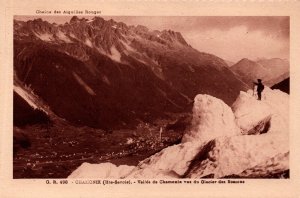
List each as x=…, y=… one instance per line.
x=259, y=80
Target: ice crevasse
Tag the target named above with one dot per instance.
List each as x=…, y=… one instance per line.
x=249, y=139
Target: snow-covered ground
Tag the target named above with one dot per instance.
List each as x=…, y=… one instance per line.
x=96, y=171
x=248, y=140
x=275, y=104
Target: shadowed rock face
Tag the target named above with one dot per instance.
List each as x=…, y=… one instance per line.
x=20, y=140
x=283, y=86
x=24, y=114
x=106, y=74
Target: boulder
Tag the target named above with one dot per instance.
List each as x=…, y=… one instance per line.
x=211, y=118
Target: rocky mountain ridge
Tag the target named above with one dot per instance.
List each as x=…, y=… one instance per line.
x=106, y=74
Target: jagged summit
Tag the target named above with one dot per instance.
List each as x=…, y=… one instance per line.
x=74, y=19
x=94, y=30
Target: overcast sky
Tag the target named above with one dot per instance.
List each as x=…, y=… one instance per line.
x=231, y=38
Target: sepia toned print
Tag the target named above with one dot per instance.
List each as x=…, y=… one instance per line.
x=151, y=97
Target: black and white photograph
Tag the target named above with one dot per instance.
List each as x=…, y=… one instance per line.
x=151, y=97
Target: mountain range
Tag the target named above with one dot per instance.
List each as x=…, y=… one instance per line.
x=271, y=71
x=106, y=74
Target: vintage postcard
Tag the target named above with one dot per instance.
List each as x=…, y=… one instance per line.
x=149, y=98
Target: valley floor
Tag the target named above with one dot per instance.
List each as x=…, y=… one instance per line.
x=55, y=151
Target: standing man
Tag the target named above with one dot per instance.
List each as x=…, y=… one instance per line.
x=260, y=88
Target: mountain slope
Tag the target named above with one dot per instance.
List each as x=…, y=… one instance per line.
x=275, y=65
x=283, y=86
x=25, y=114
x=107, y=74
x=249, y=70
x=229, y=63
